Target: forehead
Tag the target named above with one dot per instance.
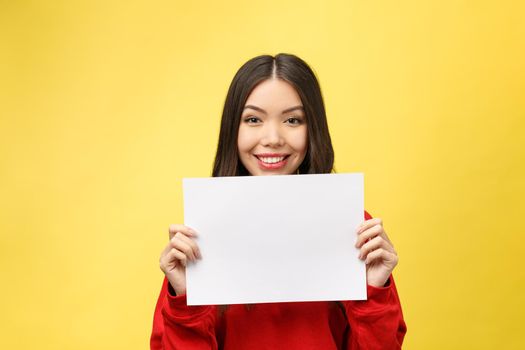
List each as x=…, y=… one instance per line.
x=274, y=94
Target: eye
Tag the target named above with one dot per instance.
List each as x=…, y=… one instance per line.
x=294, y=120
x=251, y=120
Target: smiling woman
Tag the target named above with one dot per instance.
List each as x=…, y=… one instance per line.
x=272, y=136
x=274, y=123
x=266, y=92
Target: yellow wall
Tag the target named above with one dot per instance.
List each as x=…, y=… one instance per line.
x=106, y=105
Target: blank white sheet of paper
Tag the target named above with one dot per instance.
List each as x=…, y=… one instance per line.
x=277, y=238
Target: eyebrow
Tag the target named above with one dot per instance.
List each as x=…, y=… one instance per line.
x=285, y=111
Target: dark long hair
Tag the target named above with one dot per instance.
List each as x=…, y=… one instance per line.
x=320, y=154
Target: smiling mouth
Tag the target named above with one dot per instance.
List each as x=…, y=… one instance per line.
x=272, y=160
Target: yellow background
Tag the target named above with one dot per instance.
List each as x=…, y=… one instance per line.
x=106, y=105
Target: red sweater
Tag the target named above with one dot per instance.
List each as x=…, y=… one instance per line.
x=376, y=323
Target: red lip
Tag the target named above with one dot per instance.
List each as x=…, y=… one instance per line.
x=272, y=166
x=271, y=155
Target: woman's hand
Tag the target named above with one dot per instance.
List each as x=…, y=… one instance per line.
x=181, y=249
x=377, y=251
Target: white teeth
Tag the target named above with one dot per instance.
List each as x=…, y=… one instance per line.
x=271, y=160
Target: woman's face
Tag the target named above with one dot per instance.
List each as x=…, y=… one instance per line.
x=272, y=135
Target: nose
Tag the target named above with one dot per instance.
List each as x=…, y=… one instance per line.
x=272, y=135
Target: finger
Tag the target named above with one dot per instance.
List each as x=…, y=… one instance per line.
x=385, y=236
x=179, y=256
x=194, y=247
x=368, y=224
x=381, y=255
x=173, y=255
x=368, y=234
x=166, y=249
x=188, y=231
x=179, y=244
x=375, y=243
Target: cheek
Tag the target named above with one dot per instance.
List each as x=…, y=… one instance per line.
x=245, y=140
x=300, y=141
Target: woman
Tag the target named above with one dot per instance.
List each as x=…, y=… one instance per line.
x=274, y=123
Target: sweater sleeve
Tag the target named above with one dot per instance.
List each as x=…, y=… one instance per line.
x=178, y=326
x=376, y=323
